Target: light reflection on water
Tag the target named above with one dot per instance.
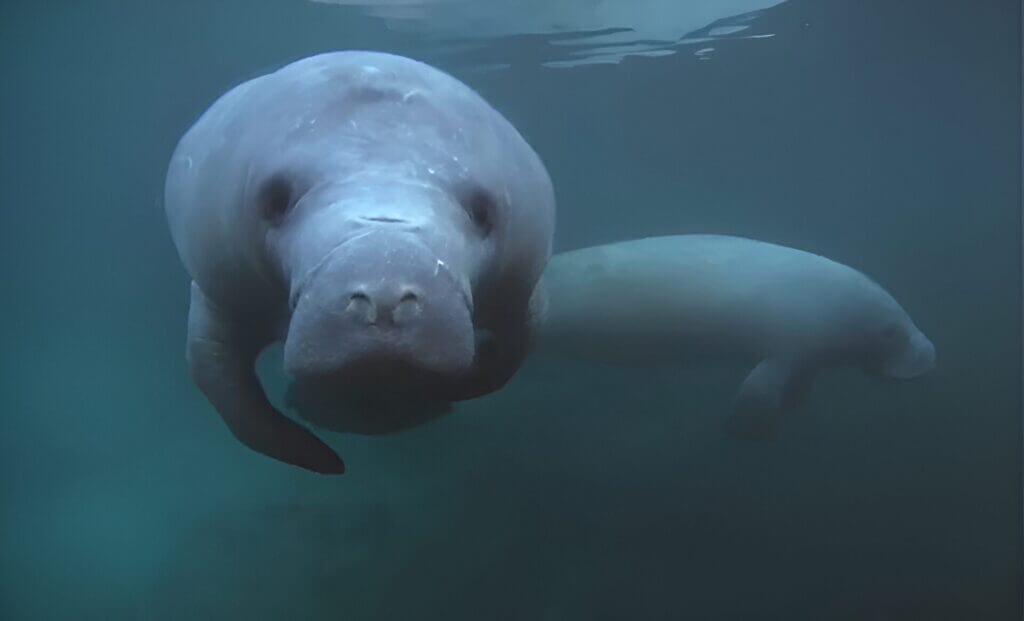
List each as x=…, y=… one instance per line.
x=587, y=31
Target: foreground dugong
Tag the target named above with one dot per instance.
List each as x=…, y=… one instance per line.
x=378, y=217
x=692, y=298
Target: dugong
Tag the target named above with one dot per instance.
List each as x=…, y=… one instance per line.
x=704, y=298
x=375, y=215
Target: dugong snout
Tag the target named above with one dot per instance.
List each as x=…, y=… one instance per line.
x=381, y=300
x=914, y=359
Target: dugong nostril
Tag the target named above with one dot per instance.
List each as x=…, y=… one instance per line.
x=407, y=308
x=362, y=308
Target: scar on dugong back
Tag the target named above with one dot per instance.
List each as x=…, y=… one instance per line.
x=378, y=217
x=685, y=298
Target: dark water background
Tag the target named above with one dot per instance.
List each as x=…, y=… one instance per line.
x=885, y=135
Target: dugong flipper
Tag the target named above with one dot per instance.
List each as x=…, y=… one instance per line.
x=221, y=355
x=379, y=218
x=774, y=387
x=708, y=298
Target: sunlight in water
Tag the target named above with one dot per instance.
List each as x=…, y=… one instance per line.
x=614, y=30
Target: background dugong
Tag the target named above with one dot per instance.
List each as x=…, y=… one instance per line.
x=688, y=298
x=378, y=217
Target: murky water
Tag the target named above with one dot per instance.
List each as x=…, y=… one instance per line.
x=883, y=135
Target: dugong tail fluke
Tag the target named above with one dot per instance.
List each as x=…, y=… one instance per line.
x=221, y=357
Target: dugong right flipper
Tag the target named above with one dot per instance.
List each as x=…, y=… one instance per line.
x=773, y=388
x=221, y=357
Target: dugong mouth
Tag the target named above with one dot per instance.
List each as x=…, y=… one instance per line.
x=347, y=406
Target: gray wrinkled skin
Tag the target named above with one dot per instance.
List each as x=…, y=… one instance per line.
x=377, y=216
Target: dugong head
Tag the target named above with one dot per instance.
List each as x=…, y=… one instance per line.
x=895, y=347
x=405, y=218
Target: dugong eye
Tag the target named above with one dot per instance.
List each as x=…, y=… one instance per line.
x=479, y=206
x=275, y=198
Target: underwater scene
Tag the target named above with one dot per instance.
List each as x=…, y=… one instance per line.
x=511, y=310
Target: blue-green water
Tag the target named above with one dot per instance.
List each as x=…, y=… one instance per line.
x=881, y=134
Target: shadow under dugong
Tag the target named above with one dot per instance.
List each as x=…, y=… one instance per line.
x=700, y=298
x=378, y=217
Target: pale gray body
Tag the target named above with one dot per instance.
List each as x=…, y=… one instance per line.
x=374, y=214
x=694, y=298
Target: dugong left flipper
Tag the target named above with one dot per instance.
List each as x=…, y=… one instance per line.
x=221, y=355
x=775, y=386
